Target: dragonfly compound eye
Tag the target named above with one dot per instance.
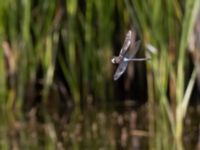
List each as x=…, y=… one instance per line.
x=113, y=60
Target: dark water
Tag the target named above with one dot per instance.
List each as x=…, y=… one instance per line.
x=124, y=127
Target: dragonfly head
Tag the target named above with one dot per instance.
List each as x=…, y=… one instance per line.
x=113, y=60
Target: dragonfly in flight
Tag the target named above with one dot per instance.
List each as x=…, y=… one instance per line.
x=125, y=55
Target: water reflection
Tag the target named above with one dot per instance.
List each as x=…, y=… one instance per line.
x=94, y=129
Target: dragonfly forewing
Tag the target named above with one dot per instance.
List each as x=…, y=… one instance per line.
x=130, y=36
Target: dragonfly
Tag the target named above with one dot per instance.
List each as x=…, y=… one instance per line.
x=125, y=55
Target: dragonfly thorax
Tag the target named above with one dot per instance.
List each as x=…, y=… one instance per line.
x=116, y=60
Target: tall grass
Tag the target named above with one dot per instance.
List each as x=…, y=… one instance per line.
x=26, y=43
x=87, y=51
x=167, y=25
x=36, y=35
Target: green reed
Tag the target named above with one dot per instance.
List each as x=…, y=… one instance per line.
x=33, y=32
x=88, y=48
x=26, y=43
x=167, y=27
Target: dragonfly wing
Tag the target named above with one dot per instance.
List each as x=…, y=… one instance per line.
x=133, y=49
x=120, y=70
x=130, y=37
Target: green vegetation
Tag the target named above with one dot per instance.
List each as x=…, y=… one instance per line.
x=168, y=28
x=55, y=64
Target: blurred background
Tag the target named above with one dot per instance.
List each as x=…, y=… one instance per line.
x=56, y=76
